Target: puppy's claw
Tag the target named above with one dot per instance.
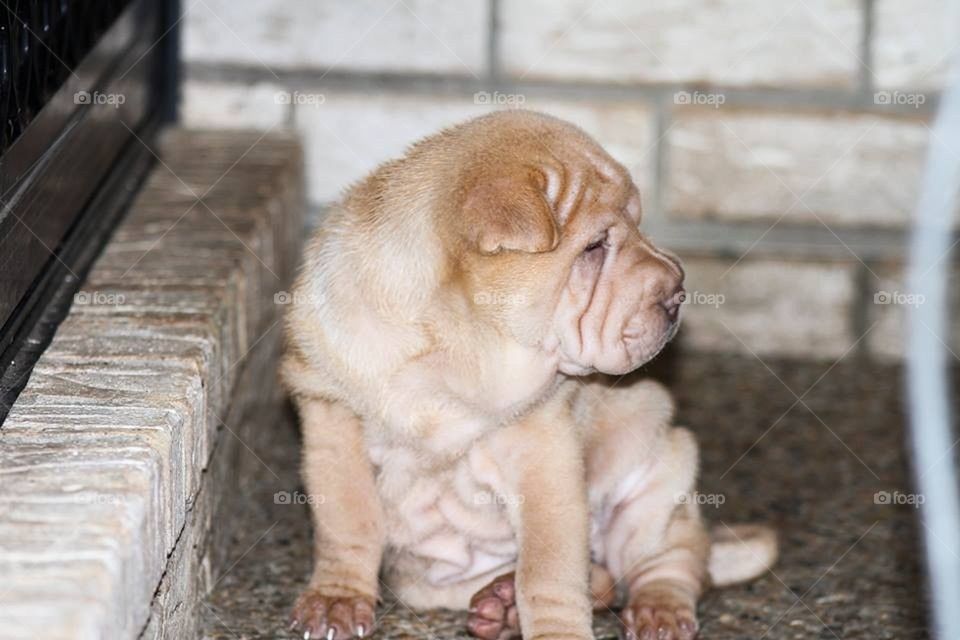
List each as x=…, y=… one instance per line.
x=325, y=617
x=659, y=613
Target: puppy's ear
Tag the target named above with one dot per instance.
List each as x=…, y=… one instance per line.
x=510, y=212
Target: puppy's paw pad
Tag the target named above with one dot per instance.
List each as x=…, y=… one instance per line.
x=658, y=616
x=493, y=611
x=321, y=617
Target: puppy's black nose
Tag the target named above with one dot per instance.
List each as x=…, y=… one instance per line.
x=672, y=304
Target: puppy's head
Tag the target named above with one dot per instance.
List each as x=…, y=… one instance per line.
x=546, y=223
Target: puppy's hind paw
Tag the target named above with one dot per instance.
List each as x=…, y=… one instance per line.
x=320, y=617
x=659, y=615
x=493, y=611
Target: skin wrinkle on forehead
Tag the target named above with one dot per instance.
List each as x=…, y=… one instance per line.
x=572, y=194
x=588, y=198
x=591, y=195
x=609, y=170
x=569, y=183
x=555, y=181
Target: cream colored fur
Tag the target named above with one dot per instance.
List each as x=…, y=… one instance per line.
x=444, y=313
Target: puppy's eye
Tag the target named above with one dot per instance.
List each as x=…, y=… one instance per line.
x=596, y=245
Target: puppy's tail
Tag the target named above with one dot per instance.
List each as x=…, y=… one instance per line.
x=740, y=552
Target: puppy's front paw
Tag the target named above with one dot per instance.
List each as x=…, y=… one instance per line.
x=493, y=611
x=332, y=618
x=659, y=614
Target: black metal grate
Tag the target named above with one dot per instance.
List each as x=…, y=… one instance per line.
x=41, y=42
x=69, y=165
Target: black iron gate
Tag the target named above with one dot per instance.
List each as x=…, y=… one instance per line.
x=84, y=85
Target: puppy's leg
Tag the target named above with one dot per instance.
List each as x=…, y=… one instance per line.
x=663, y=587
x=347, y=522
x=646, y=532
x=539, y=465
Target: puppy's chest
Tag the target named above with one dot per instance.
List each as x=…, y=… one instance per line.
x=451, y=424
x=451, y=519
x=521, y=378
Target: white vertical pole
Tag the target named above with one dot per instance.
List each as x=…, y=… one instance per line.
x=930, y=433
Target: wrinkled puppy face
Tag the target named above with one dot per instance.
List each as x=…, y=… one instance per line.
x=561, y=257
x=620, y=300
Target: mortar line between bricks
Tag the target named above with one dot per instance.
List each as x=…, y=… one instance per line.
x=493, y=41
x=290, y=116
x=852, y=99
x=783, y=240
x=662, y=120
x=859, y=320
x=868, y=7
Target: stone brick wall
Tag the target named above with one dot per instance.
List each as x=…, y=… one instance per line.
x=779, y=146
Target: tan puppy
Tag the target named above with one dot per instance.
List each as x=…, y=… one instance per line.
x=442, y=314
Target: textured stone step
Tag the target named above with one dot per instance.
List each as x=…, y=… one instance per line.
x=106, y=485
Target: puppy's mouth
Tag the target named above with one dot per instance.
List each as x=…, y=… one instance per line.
x=637, y=347
x=643, y=351
x=665, y=339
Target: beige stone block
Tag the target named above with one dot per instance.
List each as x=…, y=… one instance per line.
x=234, y=106
x=836, y=168
x=769, y=307
x=913, y=43
x=425, y=36
x=727, y=42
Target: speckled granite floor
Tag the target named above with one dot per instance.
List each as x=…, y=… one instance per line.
x=849, y=566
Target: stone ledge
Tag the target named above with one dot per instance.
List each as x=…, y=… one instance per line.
x=103, y=455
